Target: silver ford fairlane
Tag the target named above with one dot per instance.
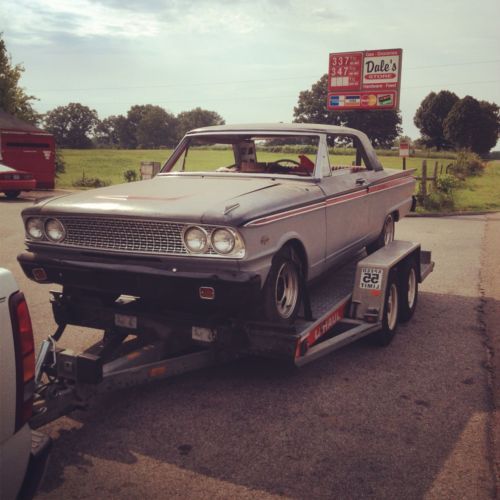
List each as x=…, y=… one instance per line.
x=239, y=221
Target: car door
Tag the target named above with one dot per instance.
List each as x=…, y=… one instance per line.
x=345, y=187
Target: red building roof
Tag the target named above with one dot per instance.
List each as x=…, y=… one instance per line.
x=11, y=123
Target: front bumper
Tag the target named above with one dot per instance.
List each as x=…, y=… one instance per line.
x=172, y=283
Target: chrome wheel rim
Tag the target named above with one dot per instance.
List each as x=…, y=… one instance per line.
x=392, y=307
x=389, y=230
x=412, y=287
x=286, y=290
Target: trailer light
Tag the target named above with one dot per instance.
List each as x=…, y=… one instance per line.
x=207, y=293
x=371, y=317
x=34, y=227
x=54, y=230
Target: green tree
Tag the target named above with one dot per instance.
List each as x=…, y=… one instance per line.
x=430, y=116
x=148, y=126
x=13, y=98
x=381, y=126
x=473, y=125
x=106, y=132
x=196, y=118
x=72, y=125
x=156, y=128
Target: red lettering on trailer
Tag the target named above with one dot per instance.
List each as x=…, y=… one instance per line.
x=320, y=329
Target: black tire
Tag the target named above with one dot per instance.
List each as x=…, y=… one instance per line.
x=11, y=195
x=408, y=289
x=390, y=316
x=282, y=293
x=386, y=235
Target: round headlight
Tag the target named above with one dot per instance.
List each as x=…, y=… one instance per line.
x=34, y=227
x=54, y=230
x=223, y=241
x=196, y=239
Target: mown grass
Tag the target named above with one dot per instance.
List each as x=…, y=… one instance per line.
x=477, y=193
x=480, y=193
x=105, y=164
x=109, y=165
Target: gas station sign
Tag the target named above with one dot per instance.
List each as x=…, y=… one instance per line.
x=364, y=80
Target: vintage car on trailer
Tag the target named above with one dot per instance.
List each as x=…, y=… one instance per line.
x=239, y=221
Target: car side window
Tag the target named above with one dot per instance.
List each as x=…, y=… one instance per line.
x=344, y=152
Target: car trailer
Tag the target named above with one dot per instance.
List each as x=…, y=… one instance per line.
x=367, y=296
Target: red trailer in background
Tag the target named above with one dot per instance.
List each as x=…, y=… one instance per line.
x=26, y=147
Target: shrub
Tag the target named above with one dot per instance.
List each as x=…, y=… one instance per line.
x=438, y=200
x=467, y=164
x=447, y=183
x=90, y=182
x=130, y=175
x=60, y=163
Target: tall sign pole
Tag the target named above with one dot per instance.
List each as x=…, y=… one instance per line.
x=369, y=80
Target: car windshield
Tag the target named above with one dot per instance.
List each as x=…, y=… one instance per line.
x=5, y=168
x=247, y=153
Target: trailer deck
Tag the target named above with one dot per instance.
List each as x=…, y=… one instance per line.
x=141, y=344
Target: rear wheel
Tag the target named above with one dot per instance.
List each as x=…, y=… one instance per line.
x=390, y=316
x=408, y=290
x=12, y=194
x=386, y=235
x=283, y=288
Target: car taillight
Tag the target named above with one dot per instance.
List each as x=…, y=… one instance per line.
x=24, y=345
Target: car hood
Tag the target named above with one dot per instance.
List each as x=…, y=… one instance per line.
x=188, y=198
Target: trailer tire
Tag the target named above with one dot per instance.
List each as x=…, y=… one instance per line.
x=282, y=292
x=390, y=315
x=408, y=289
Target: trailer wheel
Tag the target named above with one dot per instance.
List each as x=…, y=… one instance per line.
x=11, y=195
x=385, y=237
x=391, y=313
x=283, y=288
x=408, y=290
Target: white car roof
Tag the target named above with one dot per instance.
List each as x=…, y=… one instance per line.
x=280, y=127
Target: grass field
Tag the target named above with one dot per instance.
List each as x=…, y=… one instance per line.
x=482, y=192
x=477, y=193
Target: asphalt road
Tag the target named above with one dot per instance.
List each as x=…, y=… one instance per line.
x=413, y=420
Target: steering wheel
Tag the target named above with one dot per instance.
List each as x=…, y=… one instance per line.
x=286, y=163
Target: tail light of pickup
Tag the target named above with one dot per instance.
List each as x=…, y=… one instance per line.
x=25, y=357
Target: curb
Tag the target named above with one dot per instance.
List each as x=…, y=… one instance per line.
x=451, y=214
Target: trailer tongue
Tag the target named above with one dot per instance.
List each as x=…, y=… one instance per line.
x=367, y=296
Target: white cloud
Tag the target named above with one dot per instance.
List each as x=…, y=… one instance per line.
x=39, y=20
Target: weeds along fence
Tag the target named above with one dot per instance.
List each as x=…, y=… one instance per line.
x=429, y=176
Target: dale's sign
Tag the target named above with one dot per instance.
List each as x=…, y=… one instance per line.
x=364, y=80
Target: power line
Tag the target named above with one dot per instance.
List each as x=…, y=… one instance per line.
x=231, y=82
x=281, y=96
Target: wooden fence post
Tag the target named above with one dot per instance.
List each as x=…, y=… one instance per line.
x=423, y=185
x=435, y=177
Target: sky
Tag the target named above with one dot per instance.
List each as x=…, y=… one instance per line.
x=246, y=60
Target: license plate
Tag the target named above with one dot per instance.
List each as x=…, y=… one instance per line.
x=371, y=278
x=126, y=321
x=203, y=334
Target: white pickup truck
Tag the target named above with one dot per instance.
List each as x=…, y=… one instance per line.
x=23, y=452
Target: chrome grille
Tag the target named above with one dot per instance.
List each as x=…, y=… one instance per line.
x=126, y=235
